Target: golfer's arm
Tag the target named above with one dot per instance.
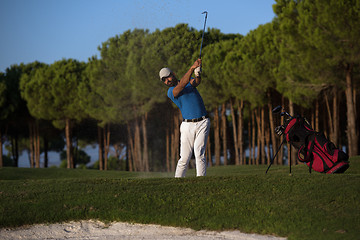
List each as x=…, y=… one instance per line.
x=196, y=81
x=183, y=82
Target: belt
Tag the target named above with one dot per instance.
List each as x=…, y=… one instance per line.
x=196, y=119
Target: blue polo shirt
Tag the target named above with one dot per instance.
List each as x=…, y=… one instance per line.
x=189, y=102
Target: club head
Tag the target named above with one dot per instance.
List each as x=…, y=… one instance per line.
x=277, y=109
x=279, y=130
x=205, y=12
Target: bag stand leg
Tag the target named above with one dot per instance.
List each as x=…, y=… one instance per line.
x=290, y=158
x=272, y=160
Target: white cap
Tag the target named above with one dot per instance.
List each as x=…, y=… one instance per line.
x=164, y=72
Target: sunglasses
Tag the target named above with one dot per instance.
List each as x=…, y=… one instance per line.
x=164, y=78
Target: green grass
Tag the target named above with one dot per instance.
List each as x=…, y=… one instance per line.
x=297, y=206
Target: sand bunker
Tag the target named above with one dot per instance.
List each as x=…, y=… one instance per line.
x=91, y=230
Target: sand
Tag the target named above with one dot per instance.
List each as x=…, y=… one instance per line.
x=91, y=230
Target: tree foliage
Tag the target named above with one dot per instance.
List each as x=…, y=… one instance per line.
x=308, y=52
x=319, y=50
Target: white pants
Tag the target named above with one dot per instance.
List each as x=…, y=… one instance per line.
x=193, y=139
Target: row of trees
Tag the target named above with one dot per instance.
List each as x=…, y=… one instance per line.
x=306, y=59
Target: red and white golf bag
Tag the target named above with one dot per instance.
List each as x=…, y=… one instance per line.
x=314, y=148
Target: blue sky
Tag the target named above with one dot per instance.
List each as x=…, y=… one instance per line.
x=50, y=30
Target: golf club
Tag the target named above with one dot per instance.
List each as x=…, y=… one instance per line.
x=202, y=39
x=278, y=109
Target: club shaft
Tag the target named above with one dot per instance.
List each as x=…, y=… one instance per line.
x=202, y=38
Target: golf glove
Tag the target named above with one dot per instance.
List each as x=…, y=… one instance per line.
x=197, y=71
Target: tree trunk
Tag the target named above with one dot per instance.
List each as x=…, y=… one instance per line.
x=108, y=134
x=1, y=150
x=293, y=151
x=106, y=138
x=208, y=151
x=259, y=137
x=250, y=139
x=37, y=145
x=253, y=137
x=131, y=151
x=289, y=147
x=329, y=118
x=145, y=143
x=173, y=155
x=313, y=119
x=237, y=159
x=262, y=138
x=137, y=145
x=31, y=141
x=224, y=131
x=128, y=158
x=175, y=135
x=281, y=152
x=272, y=132
x=240, y=132
x=167, y=151
x=34, y=144
x=46, y=148
x=14, y=149
x=177, y=116
x=351, y=114
x=217, y=136
x=69, y=155
x=267, y=139
x=333, y=118
x=100, y=143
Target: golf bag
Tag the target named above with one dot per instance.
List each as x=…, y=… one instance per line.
x=313, y=147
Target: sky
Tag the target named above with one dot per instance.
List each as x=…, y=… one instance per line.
x=52, y=30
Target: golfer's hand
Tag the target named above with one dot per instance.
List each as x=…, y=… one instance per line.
x=197, y=72
x=196, y=64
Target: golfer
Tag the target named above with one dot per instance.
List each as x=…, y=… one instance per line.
x=195, y=127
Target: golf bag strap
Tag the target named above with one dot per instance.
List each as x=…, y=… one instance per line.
x=299, y=152
x=310, y=141
x=309, y=154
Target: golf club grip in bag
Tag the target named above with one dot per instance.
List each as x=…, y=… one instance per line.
x=314, y=148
